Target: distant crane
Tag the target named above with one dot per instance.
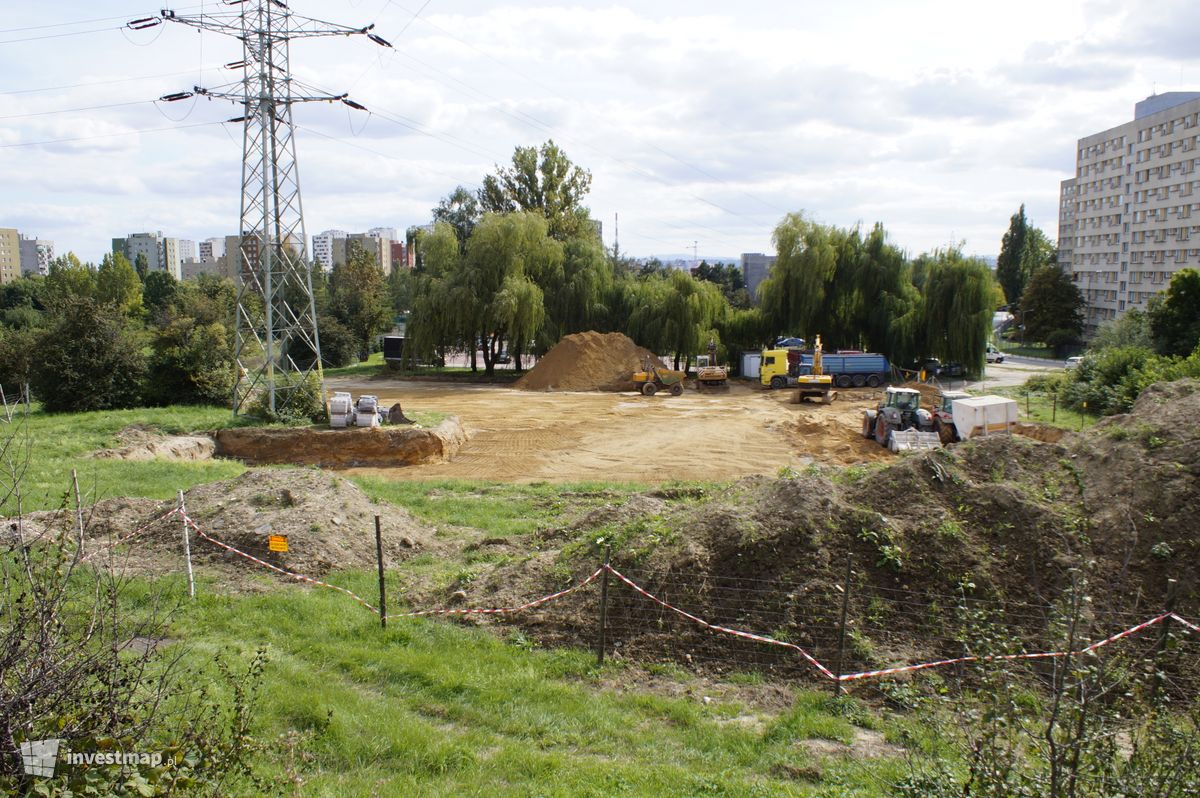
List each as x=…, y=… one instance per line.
x=277, y=344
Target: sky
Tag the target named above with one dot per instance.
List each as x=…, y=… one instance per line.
x=702, y=123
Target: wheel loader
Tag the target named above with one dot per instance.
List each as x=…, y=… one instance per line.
x=656, y=377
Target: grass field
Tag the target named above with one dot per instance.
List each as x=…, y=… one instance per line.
x=63, y=441
x=430, y=708
x=1042, y=409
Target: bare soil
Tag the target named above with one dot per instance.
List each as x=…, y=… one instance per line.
x=588, y=361
x=523, y=436
x=146, y=443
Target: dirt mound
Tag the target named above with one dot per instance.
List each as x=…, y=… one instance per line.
x=930, y=394
x=342, y=448
x=139, y=442
x=587, y=361
x=828, y=438
x=329, y=524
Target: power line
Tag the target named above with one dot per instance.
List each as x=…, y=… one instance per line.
x=71, y=110
x=60, y=35
x=102, y=82
x=68, y=24
x=106, y=135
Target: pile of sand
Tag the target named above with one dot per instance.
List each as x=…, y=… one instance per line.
x=587, y=361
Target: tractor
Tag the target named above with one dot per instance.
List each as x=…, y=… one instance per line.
x=899, y=422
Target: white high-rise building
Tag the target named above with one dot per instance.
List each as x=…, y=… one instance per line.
x=382, y=232
x=322, y=247
x=1130, y=218
x=187, y=249
x=36, y=254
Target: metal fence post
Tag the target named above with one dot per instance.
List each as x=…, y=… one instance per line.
x=1165, y=638
x=187, y=546
x=603, y=606
x=379, y=561
x=841, y=650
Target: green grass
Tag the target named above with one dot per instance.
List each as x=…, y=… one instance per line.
x=431, y=708
x=1027, y=350
x=1041, y=409
x=497, y=509
x=62, y=441
x=373, y=366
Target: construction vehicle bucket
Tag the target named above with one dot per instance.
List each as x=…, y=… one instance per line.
x=913, y=440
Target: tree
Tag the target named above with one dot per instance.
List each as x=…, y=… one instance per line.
x=88, y=359
x=1052, y=308
x=1024, y=250
x=461, y=211
x=1012, y=250
x=1130, y=329
x=359, y=297
x=730, y=279
x=192, y=363
x=69, y=279
x=957, y=309
x=117, y=284
x=1175, y=315
x=141, y=265
x=577, y=293
x=691, y=313
x=158, y=292
x=544, y=181
x=508, y=257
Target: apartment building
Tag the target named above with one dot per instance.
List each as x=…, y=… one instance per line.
x=161, y=253
x=1130, y=218
x=10, y=254
x=755, y=268
x=322, y=247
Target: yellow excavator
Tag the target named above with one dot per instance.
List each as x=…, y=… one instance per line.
x=816, y=384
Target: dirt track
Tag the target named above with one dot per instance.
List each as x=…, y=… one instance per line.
x=519, y=436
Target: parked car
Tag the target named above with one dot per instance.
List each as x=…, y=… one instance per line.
x=994, y=355
x=1074, y=362
x=954, y=370
x=503, y=358
x=789, y=343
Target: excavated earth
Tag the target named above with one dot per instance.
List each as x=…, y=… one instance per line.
x=342, y=448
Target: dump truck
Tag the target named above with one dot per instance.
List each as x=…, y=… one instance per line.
x=781, y=367
x=900, y=423
x=960, y=416
x=656, y=377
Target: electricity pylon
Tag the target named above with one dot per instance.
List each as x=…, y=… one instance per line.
x=277, y=345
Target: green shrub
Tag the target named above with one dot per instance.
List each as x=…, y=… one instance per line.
x=298, y=400
x=192, y=363
x=89, y=358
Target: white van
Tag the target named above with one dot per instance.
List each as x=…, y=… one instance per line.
x=994, y=355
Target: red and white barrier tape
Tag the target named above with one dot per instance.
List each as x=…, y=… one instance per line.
x=501, y=610
x=824, y=671
x=276, y=568
x=131, y=535
x=723, y=629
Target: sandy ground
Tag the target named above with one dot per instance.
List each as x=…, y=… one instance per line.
x=519, y=436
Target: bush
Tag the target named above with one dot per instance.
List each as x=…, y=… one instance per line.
x=338, y=345
x=1110, y=381
x=298, y=400
x=192, y=363
x=88, y=359
x=16, y=360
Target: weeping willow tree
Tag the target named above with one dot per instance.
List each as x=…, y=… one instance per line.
x=855, y=292
x=577, y=292
x=959, y=300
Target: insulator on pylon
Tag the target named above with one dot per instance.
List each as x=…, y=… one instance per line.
x=179, y=95
x=354, y=105
x=237, y=64
x=238, y=119
x=382, y=42
x=143, y=23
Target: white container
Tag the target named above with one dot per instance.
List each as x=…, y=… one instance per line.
x=984, y=415
x=751, y=365
x=340, y=410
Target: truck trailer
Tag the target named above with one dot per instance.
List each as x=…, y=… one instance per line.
x=781, y=367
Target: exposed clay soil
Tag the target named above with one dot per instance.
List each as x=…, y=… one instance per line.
x=386, y=446
x=588, y=361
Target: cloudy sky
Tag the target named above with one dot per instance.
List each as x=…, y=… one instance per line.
x=700, y=121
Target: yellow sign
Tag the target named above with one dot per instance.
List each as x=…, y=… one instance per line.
x=277, y=543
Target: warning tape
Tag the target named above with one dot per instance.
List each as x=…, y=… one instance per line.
x=131, y=535
x=276, y=568
x=501, y=610
x=824, y=671
x=723, y=629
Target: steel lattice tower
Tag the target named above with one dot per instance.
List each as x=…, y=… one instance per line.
x=277, y=345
